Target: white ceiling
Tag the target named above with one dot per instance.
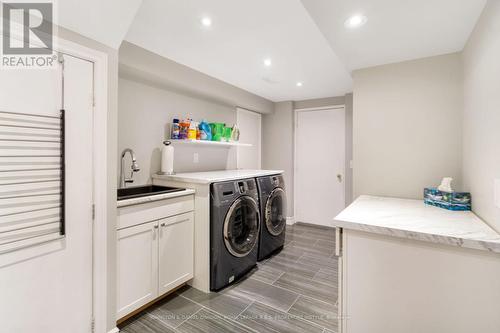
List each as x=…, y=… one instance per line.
x=243, y=34
x=106, y=21
x=306, y=39
x=396, y=30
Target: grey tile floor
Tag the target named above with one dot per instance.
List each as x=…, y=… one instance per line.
x=293, y=291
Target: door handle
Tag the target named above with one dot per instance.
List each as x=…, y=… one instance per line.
x=339, y=178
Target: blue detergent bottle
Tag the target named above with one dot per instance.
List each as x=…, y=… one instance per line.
x=205, y=131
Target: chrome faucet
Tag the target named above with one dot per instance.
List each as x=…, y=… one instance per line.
x=134, y=167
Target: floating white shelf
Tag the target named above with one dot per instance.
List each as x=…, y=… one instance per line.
x=210, y=143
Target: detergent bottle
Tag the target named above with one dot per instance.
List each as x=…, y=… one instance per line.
x=205, y=131
x=192, y=130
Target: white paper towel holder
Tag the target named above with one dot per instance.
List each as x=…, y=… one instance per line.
x=167, y=159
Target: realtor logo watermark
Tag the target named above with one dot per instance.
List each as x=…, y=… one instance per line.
x=28, y=35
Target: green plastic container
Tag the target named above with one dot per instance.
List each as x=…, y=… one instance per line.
x=227, y=133
x=217, y=131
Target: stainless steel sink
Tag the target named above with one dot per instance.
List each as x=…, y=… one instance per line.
x=144, y=191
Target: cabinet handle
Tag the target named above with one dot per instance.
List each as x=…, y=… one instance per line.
x=163, y=224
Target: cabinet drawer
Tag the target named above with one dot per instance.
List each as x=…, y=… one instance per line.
x=133, y=215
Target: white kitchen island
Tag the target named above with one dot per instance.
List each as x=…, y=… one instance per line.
x=408, y=267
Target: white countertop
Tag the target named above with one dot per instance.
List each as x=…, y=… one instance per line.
x=208, y=177
x=415, y=220
x=154, y=197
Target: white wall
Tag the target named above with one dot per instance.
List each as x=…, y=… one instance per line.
x=147, y=66
x=144, y=118
x=319, y=102
x=407, y=126
x=481, y=139
x=277, y=145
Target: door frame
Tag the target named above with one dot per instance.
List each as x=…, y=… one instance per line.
x=100, y=191
x=295, y=131
x=100, y=236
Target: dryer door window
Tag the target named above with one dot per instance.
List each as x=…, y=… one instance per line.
x=276, y=212
x=241, y=226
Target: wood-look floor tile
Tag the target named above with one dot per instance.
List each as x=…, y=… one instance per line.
x=321, y=235
x=320, y=313
x=287, y=241
x=265, y=273
x=323, y=262
x=327, y=234
x=289, y=252
x=291, y=265
x=313, y=250
x=146, y=324
x=313, y=227
x=174, y=310
x=205, y=321
x=292, y=230
x=256, y=290
x=224, y=304
x=327, y=276
x=301, y=279
x=311, y=288
x=302, y=239
x=265, y=319
x=329, y=244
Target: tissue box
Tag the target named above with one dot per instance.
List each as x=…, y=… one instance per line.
x=451, y=201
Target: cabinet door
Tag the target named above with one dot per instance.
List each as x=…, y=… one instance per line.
x=176, y=258
x=137, y=267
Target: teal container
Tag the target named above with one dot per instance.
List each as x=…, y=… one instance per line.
x=205, y=131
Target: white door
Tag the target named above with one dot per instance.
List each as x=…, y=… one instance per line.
x=137, y=267
x=52, y=291
x=249, y=124
x=176, y=259
x=319, y=165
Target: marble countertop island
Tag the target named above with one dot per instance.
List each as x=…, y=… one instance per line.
x=412, y=219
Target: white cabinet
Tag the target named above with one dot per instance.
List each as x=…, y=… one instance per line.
x=137, y=266
x=154, y=257
x=175, y=251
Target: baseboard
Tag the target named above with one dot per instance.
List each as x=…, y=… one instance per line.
x=319, y=226
x=121, y=320
x=290, y=220
x=114, y=330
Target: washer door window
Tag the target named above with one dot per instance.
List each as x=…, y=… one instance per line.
x=241, y=226
x=275, y=212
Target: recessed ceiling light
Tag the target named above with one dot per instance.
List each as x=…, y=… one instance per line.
x=268, y=62
x=299, y=84
x=206, y=21
x=355, y=21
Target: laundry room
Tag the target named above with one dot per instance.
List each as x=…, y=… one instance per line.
x=218, y=166
x=241, y=212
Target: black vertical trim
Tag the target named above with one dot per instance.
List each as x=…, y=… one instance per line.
x=63, y=175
